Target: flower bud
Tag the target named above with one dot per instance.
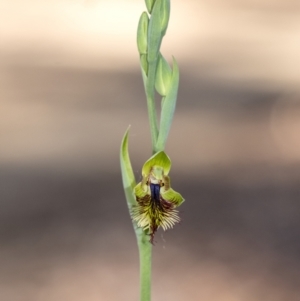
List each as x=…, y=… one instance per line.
x=157, y=27
x=165, y=15
x=163, y=76
x=149, y=4
x=168, y=108
x=142, y=33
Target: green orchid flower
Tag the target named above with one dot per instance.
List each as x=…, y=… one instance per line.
x=156, y=200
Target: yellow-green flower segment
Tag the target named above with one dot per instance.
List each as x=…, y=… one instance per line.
x=156, y=200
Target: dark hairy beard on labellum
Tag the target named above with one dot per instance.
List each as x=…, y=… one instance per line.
x=154, y=208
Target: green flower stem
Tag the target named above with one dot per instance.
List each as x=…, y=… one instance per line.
x=157, y=76
x=145, y=251
x=150, y=94
x=145, y=247
x=154, y=41
x=152, y=120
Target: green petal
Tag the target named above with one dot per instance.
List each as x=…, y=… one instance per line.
x=169, y=194
x=159, y=159
x=141, y=189
x=172, y=196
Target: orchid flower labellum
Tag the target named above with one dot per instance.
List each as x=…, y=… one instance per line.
x=156, y=200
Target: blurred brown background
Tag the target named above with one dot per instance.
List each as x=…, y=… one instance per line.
x=70, y=85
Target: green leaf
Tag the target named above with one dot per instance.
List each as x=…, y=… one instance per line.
x=168, y=108
x=142, y=33
x=127, y=172
x=159, y=159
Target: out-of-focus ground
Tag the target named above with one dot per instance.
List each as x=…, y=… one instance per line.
x=70, y=86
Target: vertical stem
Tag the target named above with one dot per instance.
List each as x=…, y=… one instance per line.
x=145, y=252
x=152, y=119
x=145, y=247
x=150, y=93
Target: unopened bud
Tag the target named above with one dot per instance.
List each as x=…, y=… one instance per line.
x=163, y=76
x=165, y=15
x=149, y=4
x=142, y=33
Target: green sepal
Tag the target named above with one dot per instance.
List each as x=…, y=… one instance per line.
x=127, y=173
x=168, y=108
x=159, y=159
x=163, y=76
x=142, y=33
x=149, y=4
